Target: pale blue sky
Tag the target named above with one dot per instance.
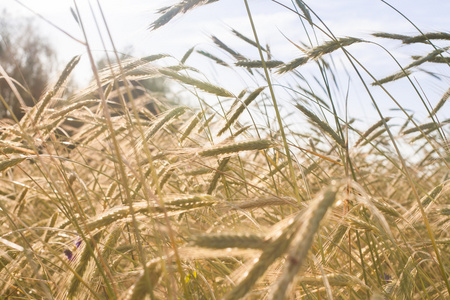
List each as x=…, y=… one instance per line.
x=129, y=22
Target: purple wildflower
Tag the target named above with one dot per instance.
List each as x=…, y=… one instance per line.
x=68, y=254
x=387, y=278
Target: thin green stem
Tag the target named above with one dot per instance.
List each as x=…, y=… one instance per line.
x=275, y=105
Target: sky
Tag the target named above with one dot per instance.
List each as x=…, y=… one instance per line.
x=129, y=21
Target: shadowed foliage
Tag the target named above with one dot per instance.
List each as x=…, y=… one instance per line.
x=26, y=57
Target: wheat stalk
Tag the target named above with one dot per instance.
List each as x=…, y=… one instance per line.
x=241, y=109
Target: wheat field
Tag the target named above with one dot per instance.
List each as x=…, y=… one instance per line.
x=116, y=192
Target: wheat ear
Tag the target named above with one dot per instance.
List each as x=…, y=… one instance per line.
x=302, y=242
x=236, y=147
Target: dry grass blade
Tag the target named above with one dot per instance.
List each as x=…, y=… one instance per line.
x=241, y=109
x=207, y=123
x=205, y=86
x=270, y=253
x=81, y=266
x=214, y=58
x=302, y=242
x=11, y=245
x=51, y=224
x=224, y=241
x=422, y=135
x=319, y=51
x=236, y=147
x=336, y=238
x=386, y=208
x=8, y=147
x=322, y=125
x=66, y=222
x=238, y=99
x=390, y=36
x=311, y=95
x=427, y=126
x=10, y=163
x=66, y=72
x=438, y=59
x=334, y=280
x=374, y=137
x=172, y=204
x=117, y=213
x=109, y=244
x=371, y=129
x=424, y=38
x=246, y=39
x=222, y=45
x=128, y=65
x=305, y=11
x=441, y=102
x=258, y=64
x=426, y=58
x=171, y=11
x=332, y=46
x=222, y=165
x=175, y=112
x=62, y=78
x=200, y=171
x=359, y=224
x=20, y=199
x=293, y=64
x=146, y=281
x=134, y=63
x=242, y=130
x=133, y=69
x=392, y=77
x=434, y=56
x=164, y=177
x=195, y=120
x=186, y=55
x=309, y=169
x=72, y=107
x=263, y=202
x=189, y=202
x=433, y=195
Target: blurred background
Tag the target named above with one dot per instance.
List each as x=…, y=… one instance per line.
x=40, y=37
